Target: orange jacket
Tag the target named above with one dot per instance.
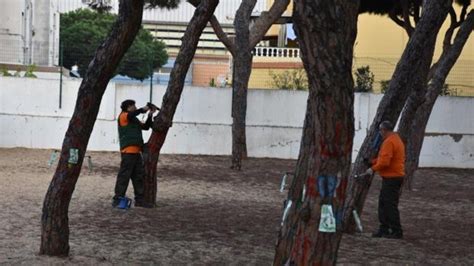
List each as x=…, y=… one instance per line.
x=123, y=121
x=390, y=161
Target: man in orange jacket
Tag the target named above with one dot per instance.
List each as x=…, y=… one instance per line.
x=390, y=165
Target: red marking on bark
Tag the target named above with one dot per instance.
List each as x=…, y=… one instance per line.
x=86, y=103
x=341, y=190
x=306, y=248
x=297, y=245
x=347, y=148
x=337, y=136
x=325, y=152
x=312, y=190
x=156, y=141
x=323, y=262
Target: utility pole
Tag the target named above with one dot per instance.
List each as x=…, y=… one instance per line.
x=27, y=31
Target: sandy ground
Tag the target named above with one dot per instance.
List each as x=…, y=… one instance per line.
x=210, y=215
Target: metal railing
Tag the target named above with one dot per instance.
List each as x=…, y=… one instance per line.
x=276, y=52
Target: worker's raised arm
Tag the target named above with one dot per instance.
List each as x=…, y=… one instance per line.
x=133, y=114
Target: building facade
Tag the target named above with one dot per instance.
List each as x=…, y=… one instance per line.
x=30, y=35
x=29, y=32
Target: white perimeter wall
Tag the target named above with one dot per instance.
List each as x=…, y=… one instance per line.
x=30, y=117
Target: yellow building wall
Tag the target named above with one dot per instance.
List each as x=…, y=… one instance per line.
x=275, y=29
x=261, y=79
x=380, y=44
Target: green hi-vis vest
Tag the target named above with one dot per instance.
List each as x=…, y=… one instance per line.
x=130, y=135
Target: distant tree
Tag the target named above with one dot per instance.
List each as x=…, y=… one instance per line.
x=83, y=30
x=106, y=5
x=364, y=79
x=247, y=35
x=101, y=6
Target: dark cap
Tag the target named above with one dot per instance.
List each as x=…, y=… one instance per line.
x=127, y=103
x=386, y=125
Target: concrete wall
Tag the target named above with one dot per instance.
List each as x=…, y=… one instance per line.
x=30, y=117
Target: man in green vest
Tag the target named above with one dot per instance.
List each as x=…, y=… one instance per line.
x=131, y=144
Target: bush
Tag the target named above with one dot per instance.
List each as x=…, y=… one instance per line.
x=5, y=72
x=446, y=91
x=384, y=85
x=212, y=83
x=290, y=80
x=29, y=71
x=364, y=79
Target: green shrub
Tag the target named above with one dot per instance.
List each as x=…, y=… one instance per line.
x=364, y=79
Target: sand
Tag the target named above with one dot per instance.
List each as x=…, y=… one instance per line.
x=210, y=215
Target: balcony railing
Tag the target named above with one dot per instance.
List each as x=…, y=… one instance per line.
x=276, y=52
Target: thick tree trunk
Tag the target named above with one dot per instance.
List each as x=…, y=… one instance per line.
x=164, y=119
x=240, y=78
x=391, y=105
x=417, y=122
x=326, y=32
x=54, y=221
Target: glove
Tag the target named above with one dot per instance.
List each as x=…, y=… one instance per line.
x=369, y=171
x=152, y=106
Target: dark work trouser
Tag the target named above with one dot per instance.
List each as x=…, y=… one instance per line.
x=131, y=167
x=389, y=215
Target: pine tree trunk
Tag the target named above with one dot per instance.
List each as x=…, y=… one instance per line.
x=246, y=38
x=241, y=76
x=326, y=31
x=416, y=98
x=417, y=95
x=240, y=79
x=164, y=119
x=418, y=121
x=391, y=105
x=54, y=221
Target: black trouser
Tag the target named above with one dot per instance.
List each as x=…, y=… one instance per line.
x=389, y=216
x=131, y=167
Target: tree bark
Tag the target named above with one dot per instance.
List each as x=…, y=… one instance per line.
x=391, y=105
x=164, y=119
x=416, y=125
x=246, y=39
x=242, y=68
x=54, y=220
x=416, y=98
x=326, y=32
x=241, y=50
